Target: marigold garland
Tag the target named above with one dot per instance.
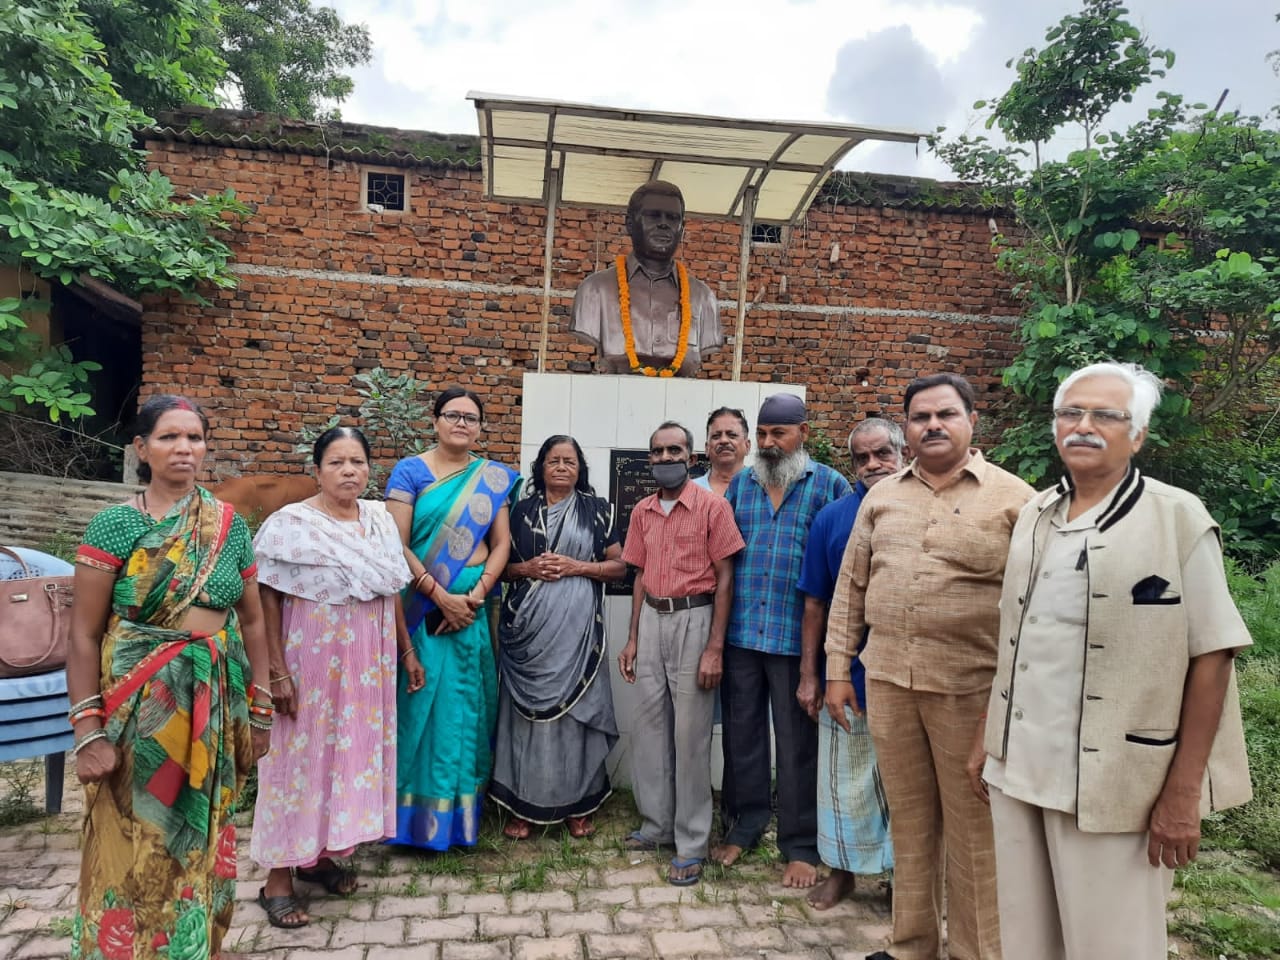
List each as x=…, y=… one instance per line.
x=628, y=335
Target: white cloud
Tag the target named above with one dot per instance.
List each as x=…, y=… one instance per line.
x=907, y=63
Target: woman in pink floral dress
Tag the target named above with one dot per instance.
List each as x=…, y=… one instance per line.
x=331, y=568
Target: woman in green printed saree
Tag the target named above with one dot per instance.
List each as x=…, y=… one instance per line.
x=167, y=675
x=451, y=508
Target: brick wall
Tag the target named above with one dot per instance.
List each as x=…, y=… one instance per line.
x=452, y=292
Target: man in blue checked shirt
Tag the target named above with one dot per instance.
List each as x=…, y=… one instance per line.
x=774, y=504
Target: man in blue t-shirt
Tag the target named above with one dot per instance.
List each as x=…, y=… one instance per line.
x=853, y=820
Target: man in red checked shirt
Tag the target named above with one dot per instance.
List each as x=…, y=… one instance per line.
x=681, y=540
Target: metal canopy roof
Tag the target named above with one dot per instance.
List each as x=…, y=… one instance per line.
x=598, y=155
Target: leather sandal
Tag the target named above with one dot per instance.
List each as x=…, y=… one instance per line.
x=277, y=908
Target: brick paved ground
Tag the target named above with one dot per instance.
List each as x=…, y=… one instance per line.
x=551, y=898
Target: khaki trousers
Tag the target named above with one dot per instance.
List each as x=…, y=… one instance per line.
x=940, y=828
x=1067, y=895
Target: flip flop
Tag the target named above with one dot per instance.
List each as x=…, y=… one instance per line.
x=277, y=908
x=580, y=827
x=685, y=863
x=638, y=841
x=517, y=828
x=337, y=881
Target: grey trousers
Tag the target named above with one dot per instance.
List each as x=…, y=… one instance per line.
x=671, y=737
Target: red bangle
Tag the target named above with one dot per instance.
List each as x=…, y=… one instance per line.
x=84, y=714
x=261, y=711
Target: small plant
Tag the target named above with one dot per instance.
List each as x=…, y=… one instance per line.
x=61, y=927
x=822, y=448
x=18, y=780
x=392, y=415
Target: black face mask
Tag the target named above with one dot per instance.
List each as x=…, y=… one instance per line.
x=669, y=475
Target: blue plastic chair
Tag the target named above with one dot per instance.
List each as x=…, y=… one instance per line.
x=33, y=723
x=33, y=710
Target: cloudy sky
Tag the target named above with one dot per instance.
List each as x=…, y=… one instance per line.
x=909, y=63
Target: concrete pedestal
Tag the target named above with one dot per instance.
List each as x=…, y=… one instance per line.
x=607, y=413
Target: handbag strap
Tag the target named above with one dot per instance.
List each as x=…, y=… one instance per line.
x=26, y=571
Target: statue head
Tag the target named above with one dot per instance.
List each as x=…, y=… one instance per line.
x=655, y=220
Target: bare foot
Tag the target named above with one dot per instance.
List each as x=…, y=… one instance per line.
x=832, y=890
x=726, y=854
x=799, y=874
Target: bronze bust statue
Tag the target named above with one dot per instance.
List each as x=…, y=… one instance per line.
x=645, y=314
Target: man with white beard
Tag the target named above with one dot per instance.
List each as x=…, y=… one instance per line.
x=774, y=504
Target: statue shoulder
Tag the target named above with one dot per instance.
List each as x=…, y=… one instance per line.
x=602, y=281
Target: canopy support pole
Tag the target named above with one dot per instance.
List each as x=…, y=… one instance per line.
x=744, y=262
x=553, y=194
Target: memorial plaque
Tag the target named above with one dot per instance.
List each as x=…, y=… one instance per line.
x=629, y=483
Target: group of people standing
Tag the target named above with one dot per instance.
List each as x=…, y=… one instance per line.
x=388, y=664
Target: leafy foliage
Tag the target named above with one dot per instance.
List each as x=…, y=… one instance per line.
x=74, y=195
x=285, y=56
x=1239, y=480
x=1159, y=244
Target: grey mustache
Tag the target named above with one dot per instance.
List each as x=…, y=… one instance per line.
x=1085, y=440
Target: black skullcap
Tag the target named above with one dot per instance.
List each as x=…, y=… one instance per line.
x=782, y=409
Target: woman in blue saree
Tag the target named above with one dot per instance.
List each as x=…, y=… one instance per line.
x=450, y=506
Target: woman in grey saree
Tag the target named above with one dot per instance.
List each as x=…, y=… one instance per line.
x=555, y=708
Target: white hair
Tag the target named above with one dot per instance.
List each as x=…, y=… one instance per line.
x=1144, y=389
x=894, y=432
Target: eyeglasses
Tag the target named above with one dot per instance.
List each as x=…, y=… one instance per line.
x=453, y=417
x=1104, y=418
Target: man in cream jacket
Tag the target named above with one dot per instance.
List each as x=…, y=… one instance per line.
x=1114, y=722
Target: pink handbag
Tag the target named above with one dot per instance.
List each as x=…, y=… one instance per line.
x=35, y=617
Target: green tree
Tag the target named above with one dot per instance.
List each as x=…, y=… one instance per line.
x=287, y=57
x=75, y=196
x=1137, y=243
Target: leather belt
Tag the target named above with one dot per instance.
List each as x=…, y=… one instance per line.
x=672, y=604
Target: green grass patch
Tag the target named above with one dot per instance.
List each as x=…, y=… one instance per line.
x=1227, y=904
x=1228, y=901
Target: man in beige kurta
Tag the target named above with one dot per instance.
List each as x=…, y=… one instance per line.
x=1106, y=728
x=923, y=571
x=655, y=223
